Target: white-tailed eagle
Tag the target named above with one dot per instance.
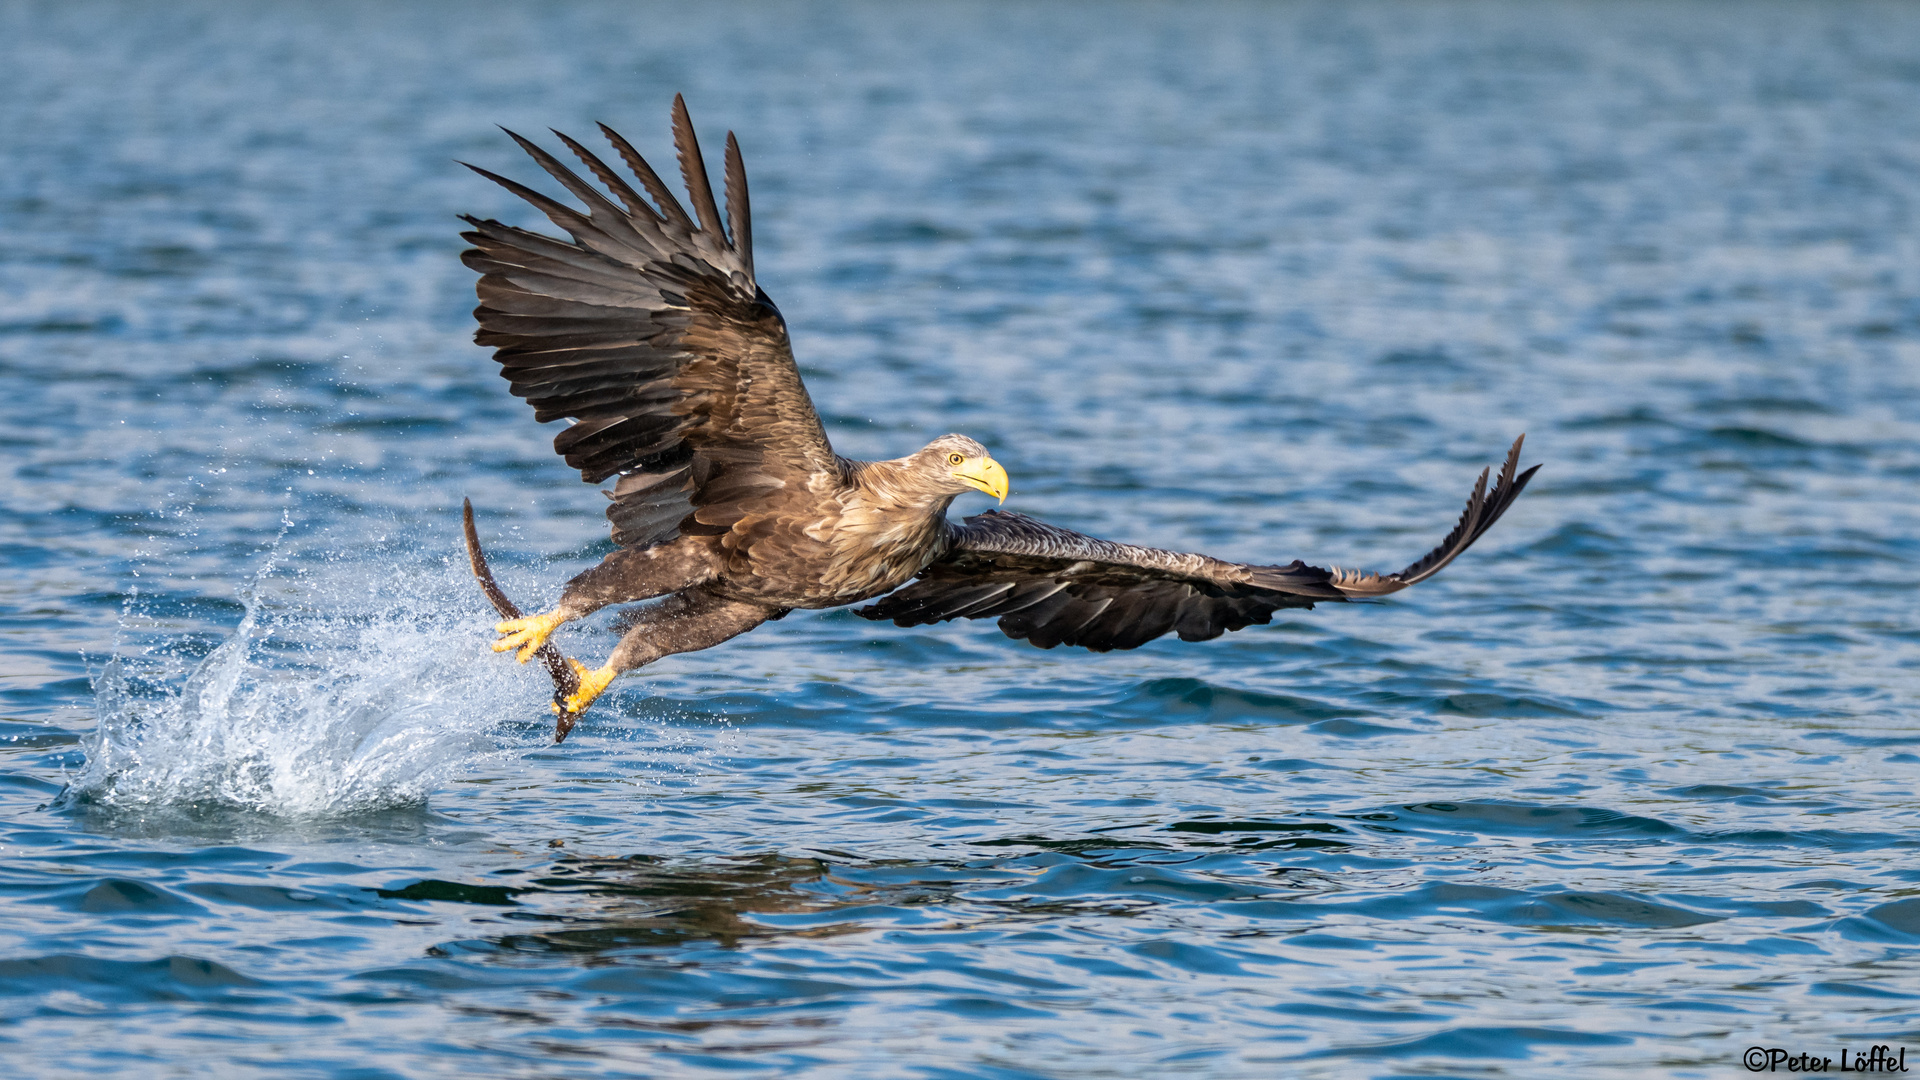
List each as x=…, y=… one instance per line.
x=648, y=332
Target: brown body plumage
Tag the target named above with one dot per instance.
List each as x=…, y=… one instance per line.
x=649, y=333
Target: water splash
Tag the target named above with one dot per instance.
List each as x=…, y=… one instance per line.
x=361, y=685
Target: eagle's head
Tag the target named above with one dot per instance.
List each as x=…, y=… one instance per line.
x=953, y=463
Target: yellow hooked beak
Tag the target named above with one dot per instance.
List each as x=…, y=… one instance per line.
x=985, y=474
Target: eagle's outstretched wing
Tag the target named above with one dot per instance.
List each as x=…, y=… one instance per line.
x=649, y=332
x=1056, y=587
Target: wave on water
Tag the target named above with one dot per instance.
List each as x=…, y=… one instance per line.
x=360, y=686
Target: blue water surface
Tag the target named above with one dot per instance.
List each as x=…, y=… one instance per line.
x=1628, y=789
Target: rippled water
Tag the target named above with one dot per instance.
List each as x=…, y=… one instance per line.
x=1627, y=790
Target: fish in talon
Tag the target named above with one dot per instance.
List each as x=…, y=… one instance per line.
x=564, y=680
x=592, y=683
x=527, y=634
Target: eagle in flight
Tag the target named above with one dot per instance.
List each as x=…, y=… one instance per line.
x=648, y=333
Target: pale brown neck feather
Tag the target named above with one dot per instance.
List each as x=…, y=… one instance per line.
x=897, y=484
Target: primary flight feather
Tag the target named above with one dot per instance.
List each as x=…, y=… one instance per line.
x=649, y=333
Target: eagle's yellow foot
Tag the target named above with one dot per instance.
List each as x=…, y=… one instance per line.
x=593, y=683
x=526, y=634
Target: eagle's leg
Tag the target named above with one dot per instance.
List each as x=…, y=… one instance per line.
x=621, y=578
x=685, y=622
x=527, y=634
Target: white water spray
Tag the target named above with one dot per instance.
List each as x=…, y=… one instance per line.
x=364, y=685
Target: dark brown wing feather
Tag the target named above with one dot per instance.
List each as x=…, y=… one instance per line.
x=1053, y=587
x=650, y=334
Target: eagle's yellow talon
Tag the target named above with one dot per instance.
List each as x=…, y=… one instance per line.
x=526, y=634
x=593, y=683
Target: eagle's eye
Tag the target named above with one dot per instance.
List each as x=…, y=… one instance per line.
x=955, y=459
